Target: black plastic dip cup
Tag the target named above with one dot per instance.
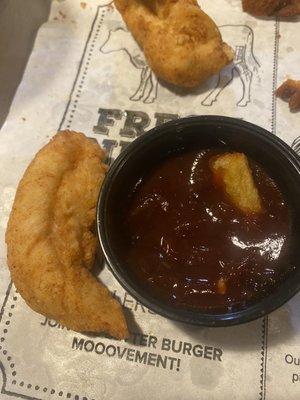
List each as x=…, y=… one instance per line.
x=279, y=161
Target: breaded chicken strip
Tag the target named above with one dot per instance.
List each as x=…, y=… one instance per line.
x=232, y=172
x=290, y=90
x=181, y=43
x=49, y=237
x=282, y=8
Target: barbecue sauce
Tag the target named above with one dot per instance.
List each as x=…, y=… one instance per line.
x=187, y=245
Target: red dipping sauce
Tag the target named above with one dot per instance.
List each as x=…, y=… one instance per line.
x=185, y=243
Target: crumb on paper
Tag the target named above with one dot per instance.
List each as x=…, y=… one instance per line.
x=83, y=5
x=221, y=286
x=231, y=171
x=290, y=91
x=23, y=119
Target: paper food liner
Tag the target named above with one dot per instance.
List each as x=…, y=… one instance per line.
x=86, y=73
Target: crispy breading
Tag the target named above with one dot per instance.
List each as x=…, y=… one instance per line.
x=232, y=172
x=290, y=90
x=49, y=237
x=181, y=43
x=283, y=8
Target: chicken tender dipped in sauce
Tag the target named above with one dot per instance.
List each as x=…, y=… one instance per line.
x=232, y=172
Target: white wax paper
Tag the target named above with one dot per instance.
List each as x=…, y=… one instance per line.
x=83, y=66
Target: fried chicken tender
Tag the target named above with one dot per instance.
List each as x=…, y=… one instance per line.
x=49, y=237
x=282, y=8
x=181, y=43
x=232, y=172
x=290, y=90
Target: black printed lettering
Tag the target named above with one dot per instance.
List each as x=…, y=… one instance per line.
x=135, y=124
x=198, y=350
x=208, y=351
x=187, y=347
x=137, y=305
x=107, y=117
x=166, y=343
x=121, y=352
x=99, y=348
x=217, y=354
x=172, y=361
x=89, y=345
x=144, y=341
x=111, y=350
x=152, y=359
x=161, y=361
x=130, y=355
x=289, y=359
x=109, y=145
x=152, y=341
x=77, y=344
x=52, y=323
x=140, y=357
x=127, y=300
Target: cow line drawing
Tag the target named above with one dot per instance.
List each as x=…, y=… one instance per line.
x=148, y=85
x=244, y=64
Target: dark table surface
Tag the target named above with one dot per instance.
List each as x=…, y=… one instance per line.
x=19, y=23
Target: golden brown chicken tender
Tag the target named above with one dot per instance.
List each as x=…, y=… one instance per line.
x=290, y=90
x=181, y=43
x=283, y=8
x=232, y=172
x=50, y=241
